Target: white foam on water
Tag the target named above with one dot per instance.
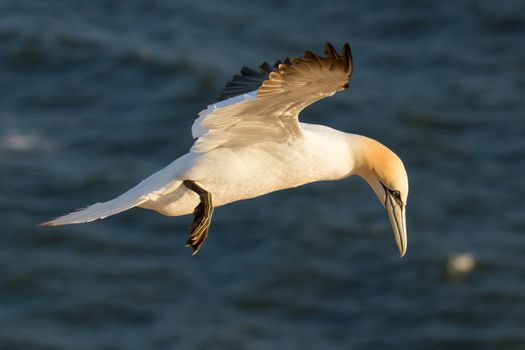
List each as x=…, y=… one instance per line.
x=20, y=142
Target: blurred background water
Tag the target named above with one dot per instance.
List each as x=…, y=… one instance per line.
x=96, y=95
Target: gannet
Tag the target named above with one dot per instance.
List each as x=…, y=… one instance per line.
x=250, y=143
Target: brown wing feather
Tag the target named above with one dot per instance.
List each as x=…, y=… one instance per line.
x=330, y=73
x=250, y=80
x=283, y=91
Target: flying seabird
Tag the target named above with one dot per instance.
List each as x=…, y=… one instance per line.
x=250, y=143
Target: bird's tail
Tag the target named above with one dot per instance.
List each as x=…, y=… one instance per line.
x=94, y=212
x=144, y=191
x=151, y=188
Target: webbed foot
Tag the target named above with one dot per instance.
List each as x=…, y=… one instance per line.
x=201, y=217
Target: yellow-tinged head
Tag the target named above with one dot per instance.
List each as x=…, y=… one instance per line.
x=386, y=174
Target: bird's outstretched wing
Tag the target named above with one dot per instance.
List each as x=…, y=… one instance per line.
x=264, y=106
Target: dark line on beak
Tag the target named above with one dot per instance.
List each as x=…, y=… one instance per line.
x=397, y=224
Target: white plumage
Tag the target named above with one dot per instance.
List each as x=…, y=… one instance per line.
x=251, y=143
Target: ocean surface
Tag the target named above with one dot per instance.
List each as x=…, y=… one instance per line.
x=97, y=95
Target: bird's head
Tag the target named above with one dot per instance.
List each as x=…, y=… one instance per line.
x=386, y=174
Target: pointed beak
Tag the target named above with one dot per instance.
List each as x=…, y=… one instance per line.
x=396, y=214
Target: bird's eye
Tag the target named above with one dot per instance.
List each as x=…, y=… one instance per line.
x=394, y=193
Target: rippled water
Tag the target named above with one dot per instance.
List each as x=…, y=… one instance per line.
x=96, y=96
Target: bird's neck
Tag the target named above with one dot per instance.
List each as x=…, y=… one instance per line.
x=368, y=155
x=359, y=149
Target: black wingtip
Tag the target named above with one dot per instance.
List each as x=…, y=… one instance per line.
x=251, y=79
x=265, y=68
x=347, y=54
x=310, y=55
x=330, y=50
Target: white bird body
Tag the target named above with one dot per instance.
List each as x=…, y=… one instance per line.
x=251, y=143
x=234, y=174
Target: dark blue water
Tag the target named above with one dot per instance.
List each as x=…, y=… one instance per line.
x=96, y=95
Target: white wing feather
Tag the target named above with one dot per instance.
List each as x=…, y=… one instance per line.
x=151, y=188
x=270, y=114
